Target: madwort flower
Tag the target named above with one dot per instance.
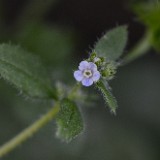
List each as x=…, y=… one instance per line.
x=87, y=73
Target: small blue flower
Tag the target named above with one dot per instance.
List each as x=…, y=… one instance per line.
x=87, y=73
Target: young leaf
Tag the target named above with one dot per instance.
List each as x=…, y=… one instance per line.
x=25, y=72
x=112, y=43
x=108, y=97
x=69, y=121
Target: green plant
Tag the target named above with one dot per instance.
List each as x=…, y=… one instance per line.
x=25, y=72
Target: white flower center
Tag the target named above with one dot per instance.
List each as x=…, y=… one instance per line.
x=87, y=73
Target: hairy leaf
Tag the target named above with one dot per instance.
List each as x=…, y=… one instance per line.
x=53, y=44
x=25, y=72
x=108, y=97
x=69, y=121
x=112, y=43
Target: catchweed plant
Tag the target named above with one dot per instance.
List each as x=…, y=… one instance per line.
x=25, y=72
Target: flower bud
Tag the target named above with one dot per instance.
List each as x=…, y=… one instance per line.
x=109, y=71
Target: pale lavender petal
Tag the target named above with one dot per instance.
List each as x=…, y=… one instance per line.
x=83, y=65
x=96, y=76
x=87, y=82
x=78, y=75
x=92, y=66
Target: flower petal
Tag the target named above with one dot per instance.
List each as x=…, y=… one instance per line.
x=83, y=65
x=92, y=66
x=78, y=75
x=96, y=76
x=87, y=82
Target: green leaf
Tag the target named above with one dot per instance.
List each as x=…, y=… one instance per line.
x=156, y=40
x=53, y=44
x=112, y=43
x=107, y=95
x=149, y=14
x=69, y=121
x=25, y=72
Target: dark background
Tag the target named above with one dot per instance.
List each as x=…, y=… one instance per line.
x=62, y=35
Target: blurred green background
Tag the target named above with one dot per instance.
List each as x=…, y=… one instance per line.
x=62, y=33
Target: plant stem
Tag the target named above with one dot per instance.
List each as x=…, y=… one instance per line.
x=74, y=90
x=28, y=132
x=140, y=49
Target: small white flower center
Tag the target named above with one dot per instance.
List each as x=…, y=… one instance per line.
x=87, y=73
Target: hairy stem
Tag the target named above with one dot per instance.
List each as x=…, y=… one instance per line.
x=28, y=132
x=140, y=49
